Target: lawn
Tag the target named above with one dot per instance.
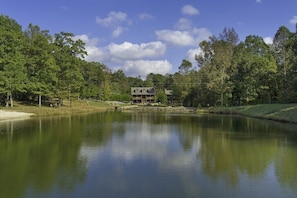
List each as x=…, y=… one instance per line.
x=279, y=112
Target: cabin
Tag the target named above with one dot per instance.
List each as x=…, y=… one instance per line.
x=143, y=95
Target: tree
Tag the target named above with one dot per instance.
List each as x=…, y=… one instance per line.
x=41, y=66
x=120, y=86
x=68, y=54
x=283, y=48
x=157, y=80
x=185, y=67
x=230, y=36
x=161, y=97
x=135, y=82
x=93, y=78
x=106, y=88
x=255, y=67
x=12, y=70
x=217, y=54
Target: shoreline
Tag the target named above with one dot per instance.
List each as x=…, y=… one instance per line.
x=12, y=115
x=275, y=112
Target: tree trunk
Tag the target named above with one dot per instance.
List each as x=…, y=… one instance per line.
x=7, y=100
x=39, y=100
x=11, y=101
x=222, y=99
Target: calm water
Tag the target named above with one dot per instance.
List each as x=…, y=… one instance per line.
x=117, y=154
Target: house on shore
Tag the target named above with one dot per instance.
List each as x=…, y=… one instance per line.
x=143, y=95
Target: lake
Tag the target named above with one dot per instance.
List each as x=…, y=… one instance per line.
x=140, y=154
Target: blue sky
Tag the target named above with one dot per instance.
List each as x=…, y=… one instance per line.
x=144, y=36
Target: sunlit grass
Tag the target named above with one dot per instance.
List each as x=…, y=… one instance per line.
x=280, y=112
x=77, y=106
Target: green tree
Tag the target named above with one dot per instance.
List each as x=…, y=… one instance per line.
x=135, y=82
x=283, y=48
x=121, y=91
x=185, y=67
x=68, y=53
x=217, y=55
x=12, y=70
x=93, y=78
x=161, y=97
x=255, y=67
x=157, y=80
x=181, y=87
x=106, y=87
x=41, y=66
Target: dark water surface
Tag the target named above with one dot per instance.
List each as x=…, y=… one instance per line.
x=117, y=154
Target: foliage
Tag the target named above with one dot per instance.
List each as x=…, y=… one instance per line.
x=36, y=66
x=12, y=71
x=161, y=97
x=41, y=67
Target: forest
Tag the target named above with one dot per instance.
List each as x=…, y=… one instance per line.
x=36, y=67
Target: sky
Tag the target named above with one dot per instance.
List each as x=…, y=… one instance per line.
x=151, y=36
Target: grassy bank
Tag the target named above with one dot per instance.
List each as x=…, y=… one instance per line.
x=277, y=112
x=76, y=107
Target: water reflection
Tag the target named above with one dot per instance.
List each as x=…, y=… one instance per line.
x=37, y=156
x=116, y=154
x=193, y=148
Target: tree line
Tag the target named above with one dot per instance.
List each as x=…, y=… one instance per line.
x=36, y=66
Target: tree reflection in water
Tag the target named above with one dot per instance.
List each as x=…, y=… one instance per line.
x=37, y=156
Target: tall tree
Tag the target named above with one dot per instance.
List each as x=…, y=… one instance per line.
x=41, y=66
x=283, y=47
x=93, y=78
x=12, y=70
x=217, y=54
x=68, y=53
x=120, y=88
x=157, y=80
x=230, y=36
x=185, y=66
x=255, y=68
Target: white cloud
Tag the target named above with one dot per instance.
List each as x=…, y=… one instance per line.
x=179, y=38
x=130, y=51
x=114, y=19
x=189, y=10
x=118, y=31
x=145, y=16
x=144, y=67
x=131, y=58
x=95, y=53
x=183, y=38
x=183, y=24
x=201, y=34
x=268, y=40
x=259, y=1
x=293, y=20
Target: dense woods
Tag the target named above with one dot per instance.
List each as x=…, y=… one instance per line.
x=36, y=67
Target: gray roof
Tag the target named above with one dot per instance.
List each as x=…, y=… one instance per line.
x=168, y=92
x=143, y=91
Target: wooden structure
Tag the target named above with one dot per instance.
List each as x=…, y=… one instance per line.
x=143, y=95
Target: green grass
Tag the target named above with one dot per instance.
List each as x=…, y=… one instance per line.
x=77, y=107
x=278, y=112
